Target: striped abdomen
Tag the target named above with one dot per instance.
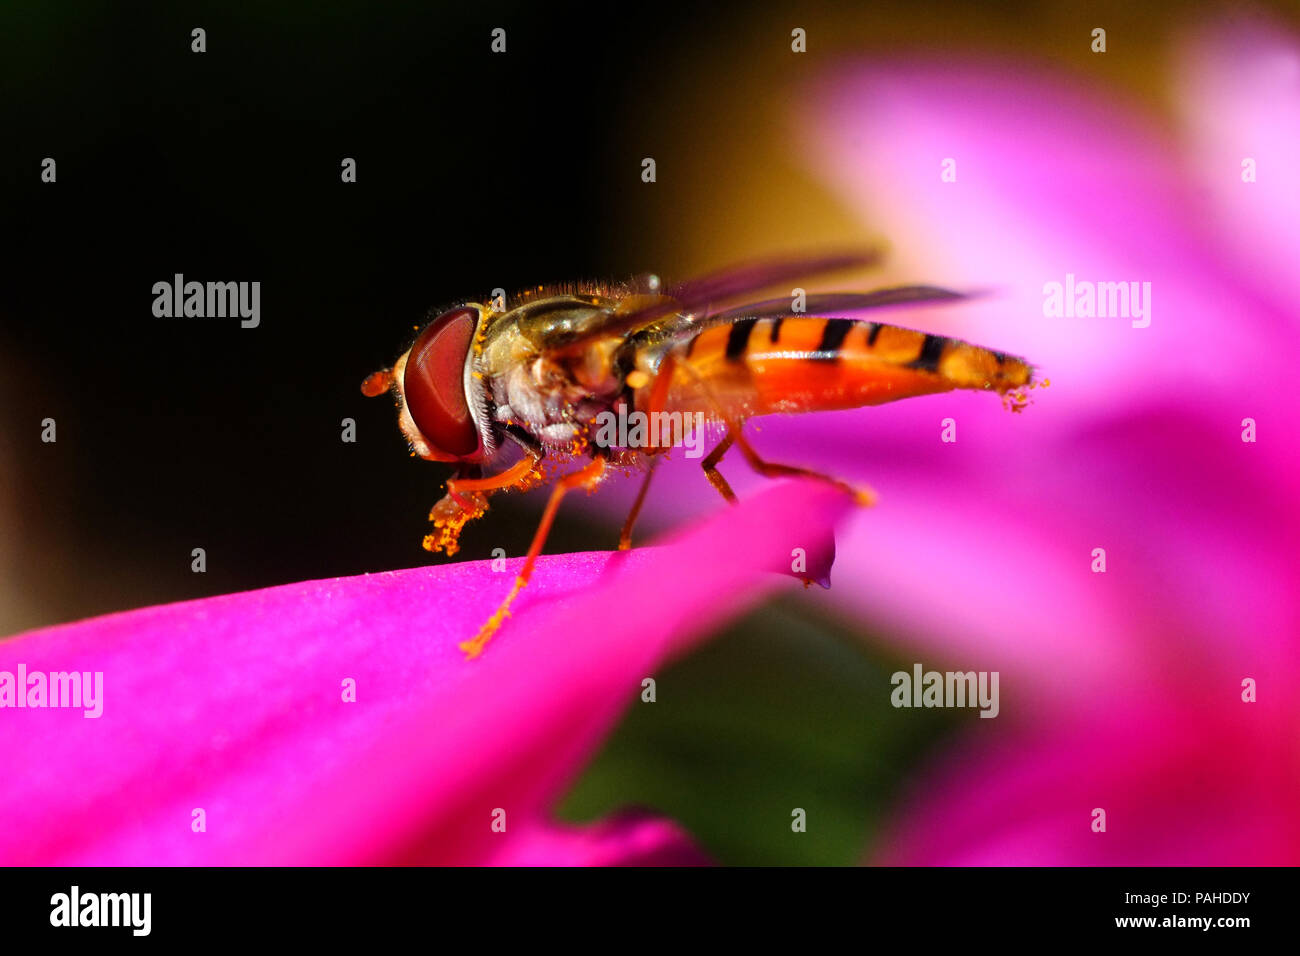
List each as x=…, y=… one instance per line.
x=804, y=364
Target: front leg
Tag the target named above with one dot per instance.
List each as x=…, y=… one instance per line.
x=586, y=477
x=467, y=499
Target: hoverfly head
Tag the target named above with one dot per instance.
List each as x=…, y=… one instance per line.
x=441, y=403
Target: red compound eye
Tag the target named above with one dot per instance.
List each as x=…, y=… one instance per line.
x=434, y=383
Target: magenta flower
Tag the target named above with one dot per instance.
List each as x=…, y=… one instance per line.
x=1137, y=447
x=1126, y=690
x=227, y=735
x=1123, y=689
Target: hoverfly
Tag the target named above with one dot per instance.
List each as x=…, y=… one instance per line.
x=479, y=386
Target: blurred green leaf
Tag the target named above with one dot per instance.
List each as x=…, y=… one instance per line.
x=785, y=710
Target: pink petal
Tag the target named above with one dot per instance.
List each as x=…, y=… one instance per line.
x=234, y=704
x=984, y=557
x=1238, y=95
x=983, y=549
x=1210, y=784
x=628, y=839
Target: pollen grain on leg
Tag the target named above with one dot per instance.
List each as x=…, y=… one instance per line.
x=473, y=648
x=449, y=517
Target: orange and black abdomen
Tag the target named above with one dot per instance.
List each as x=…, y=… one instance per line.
x=805, y=364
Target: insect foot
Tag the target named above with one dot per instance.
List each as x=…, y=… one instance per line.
x=473, y=648
x=449, y=516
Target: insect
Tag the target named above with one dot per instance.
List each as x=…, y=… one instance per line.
x=512, y=396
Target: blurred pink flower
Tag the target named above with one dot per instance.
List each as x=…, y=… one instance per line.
x=1121, y=689
x=234, y=705
x=1126, y=687
x=1137, y=445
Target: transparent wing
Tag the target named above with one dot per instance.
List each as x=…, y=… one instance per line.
x=699, y=297
x=830, y=303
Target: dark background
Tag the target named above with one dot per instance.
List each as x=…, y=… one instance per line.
x=474, y=171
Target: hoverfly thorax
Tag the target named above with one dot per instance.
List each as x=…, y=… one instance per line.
x=441, y=401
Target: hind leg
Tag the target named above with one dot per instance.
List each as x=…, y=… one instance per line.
x=863, y=495
x=625, y=536
x=710, y=465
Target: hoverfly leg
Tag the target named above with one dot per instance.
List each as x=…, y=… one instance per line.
x=710, y=465
x=659, y=391
x=521, y=473
x=625, y=536
x=449, y=516
x=863, y=495
x=466, y=501
x=587, y=477
x=658, y=400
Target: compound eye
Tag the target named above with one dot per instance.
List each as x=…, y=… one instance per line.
x=434, y=383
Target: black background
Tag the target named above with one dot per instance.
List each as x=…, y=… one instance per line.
x=475, y=171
